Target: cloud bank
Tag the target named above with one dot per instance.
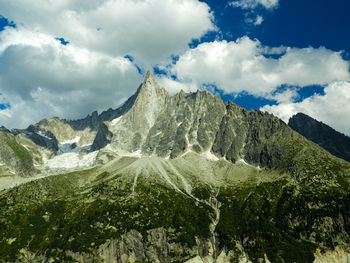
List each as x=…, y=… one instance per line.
x=150, y=30
x=246, y=65
x=40, y=77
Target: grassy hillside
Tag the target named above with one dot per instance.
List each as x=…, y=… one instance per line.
x=199, y=205
x=14, y=156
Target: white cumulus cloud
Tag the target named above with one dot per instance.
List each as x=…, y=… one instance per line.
x=246, y=65
x=332, y=108
x=40, y=78
x=173, y=86
x=251, y=4
x=258, y=21
x=149, y=30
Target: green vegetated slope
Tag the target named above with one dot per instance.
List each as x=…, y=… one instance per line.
x=14, y=158
x=174, y=210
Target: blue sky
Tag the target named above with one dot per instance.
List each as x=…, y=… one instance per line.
x=67, y=59
x=297, y=23
x=290, y=23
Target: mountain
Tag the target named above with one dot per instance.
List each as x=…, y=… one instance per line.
x=183, y=178
x=335, y=142
x=14, y=158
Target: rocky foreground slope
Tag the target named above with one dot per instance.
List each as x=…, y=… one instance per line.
x=183, y=178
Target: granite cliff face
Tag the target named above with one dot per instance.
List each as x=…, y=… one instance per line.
x=183, y=178
x=335, y=142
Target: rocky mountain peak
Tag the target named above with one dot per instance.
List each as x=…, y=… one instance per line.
x=150, y=98
x=149, y=84
x=149, y=76
x=131, y=130
x=150, y=87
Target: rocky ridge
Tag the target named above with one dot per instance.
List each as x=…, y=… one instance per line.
x=335, y=142
x=153, y=123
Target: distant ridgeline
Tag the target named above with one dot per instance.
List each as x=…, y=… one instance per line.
x=335, y=142
x=183, y=178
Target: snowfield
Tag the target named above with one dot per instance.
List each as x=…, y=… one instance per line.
x=75, y=140
x=71, y=161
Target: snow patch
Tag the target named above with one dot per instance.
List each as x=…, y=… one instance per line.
x=43, y=135
x=71, y=160
x=75, y=140
x=116, y=120
x=85, y=145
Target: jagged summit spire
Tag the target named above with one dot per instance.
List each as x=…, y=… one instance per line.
x=150, y=85
x=149, y=75
x=149, y=101
x=148, y=78
x=149, y=81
